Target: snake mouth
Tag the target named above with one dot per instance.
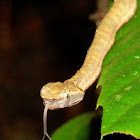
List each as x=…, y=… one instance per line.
x=54, y=104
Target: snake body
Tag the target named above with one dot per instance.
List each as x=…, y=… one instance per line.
x=59, y=95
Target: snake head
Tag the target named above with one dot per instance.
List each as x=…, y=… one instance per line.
x=59, y=95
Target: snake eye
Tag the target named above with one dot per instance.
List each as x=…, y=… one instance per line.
x=68, y=96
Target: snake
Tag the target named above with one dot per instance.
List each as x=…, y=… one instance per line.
x=58, y=95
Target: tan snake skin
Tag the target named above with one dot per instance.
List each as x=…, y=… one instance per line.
x=70, y=92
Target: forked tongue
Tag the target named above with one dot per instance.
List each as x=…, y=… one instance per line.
x=45, y=122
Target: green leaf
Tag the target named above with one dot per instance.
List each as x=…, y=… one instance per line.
x=120, y=96
x=76, y=129
x=120, y=80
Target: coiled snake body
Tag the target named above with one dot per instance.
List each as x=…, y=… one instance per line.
x=59, y=95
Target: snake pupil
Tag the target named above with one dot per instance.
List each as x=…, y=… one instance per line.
x=68, y=96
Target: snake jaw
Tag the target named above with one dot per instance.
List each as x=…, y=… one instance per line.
x=64, y=102
x=55, y=104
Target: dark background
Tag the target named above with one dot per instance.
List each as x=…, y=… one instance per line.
x=40, y=41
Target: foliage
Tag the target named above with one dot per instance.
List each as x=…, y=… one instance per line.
x=76, y=129
x=120, y=95
x=120, y=80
